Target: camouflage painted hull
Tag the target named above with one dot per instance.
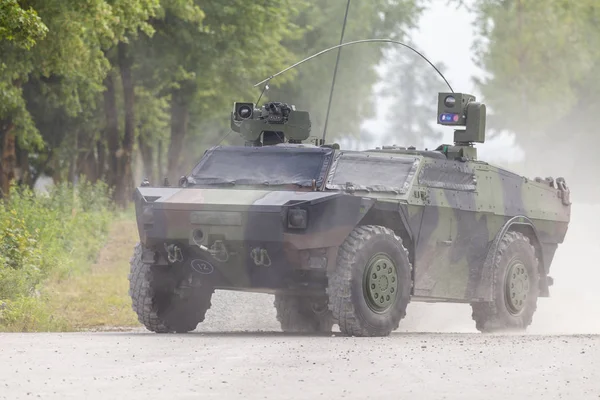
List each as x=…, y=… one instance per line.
x=450, y=215
x=463, y=211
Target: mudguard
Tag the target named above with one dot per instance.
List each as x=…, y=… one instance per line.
x=523, y=224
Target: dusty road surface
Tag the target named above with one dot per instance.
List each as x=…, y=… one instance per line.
x=237, y=352
x=206, y=365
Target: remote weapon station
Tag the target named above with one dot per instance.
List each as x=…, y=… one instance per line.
x=347, y=237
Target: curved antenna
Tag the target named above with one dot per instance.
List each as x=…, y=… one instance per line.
x=337, y=62
x=351, y=43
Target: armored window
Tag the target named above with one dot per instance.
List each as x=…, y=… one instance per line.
x=448, y=175
x=379, y=173
x=270, y=165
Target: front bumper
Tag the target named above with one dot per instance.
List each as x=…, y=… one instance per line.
x=263, y=245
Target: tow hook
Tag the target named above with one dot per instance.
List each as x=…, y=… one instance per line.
x=174, y=253
x=260, y=257
x=219, y=251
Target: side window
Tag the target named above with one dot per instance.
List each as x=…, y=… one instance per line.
x=448, y=175
x=378, y=173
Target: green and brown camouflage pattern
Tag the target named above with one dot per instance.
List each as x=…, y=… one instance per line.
x=449, y=213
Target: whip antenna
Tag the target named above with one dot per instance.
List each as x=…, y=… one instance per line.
x=336, y=65
x=351, y=43
x=337, y=61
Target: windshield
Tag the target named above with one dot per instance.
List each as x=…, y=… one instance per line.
x=370, y=172
x=263, y=165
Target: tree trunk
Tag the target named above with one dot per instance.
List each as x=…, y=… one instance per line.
x=101, y=165
x=80, y=156
x=8, y=160
x=147, y=160
x=87, y=164
x=25, y=178
x=179, y=125
x=72, y=174
x=160, y=163
x=112, y=130
x=124, y=187
x=56, y=170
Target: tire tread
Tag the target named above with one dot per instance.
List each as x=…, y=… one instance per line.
x=142, y=282
x=340, y=282
x=487, y=315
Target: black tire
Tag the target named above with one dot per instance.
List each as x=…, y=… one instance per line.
x=303, y=314
x=348, y=293
x=515, y=255
x=161, y=303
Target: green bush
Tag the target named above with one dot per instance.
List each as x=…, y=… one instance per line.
x=57, y=234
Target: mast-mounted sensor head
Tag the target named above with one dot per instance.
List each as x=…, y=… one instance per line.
x=461, y=109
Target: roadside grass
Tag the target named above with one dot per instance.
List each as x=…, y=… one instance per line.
x=64, y=260
x=91, y=297
x=98, y=298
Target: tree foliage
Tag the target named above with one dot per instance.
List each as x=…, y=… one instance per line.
x=204, y=65
x=535, y=52
x=542, y=59
x=102, y=87
x=353, y=97
x=22, y=27
x=66, y=68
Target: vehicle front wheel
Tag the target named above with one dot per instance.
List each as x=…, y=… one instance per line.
x=515, y=287
x=161, y=302
x=369, y=290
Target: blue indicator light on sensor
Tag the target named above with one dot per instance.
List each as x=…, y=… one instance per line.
x=449, y=118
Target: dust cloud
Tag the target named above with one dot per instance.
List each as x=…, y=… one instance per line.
x=574, y=303
x=572, y=308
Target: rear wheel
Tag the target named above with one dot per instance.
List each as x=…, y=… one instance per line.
x=162, y=301
x=303, y=314
x=369, y=290
x=515, y=287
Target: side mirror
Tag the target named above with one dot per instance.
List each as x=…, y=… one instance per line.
x=183, y=181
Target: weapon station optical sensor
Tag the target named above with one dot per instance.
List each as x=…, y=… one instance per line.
x=245, y=112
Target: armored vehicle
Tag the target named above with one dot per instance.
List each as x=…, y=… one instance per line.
x=347, y=237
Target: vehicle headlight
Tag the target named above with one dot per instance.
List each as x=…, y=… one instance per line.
x=147, y=214
x=297, y=218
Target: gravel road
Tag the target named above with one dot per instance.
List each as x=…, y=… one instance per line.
x=138, y=365
x=239, y=353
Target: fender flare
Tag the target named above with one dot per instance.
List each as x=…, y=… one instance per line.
x=521, y=224
x=395, y=210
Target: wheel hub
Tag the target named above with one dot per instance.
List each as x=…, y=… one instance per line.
x=380, y=283
x=517, y=287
